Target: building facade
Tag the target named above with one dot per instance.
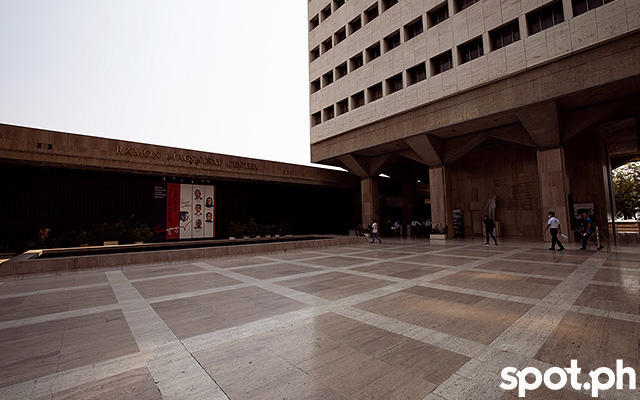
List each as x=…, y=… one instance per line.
x=533, y=101
x=67, y=182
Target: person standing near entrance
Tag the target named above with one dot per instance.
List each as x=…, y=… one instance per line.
x=489, y=226
x=553, y=225
x=374, y=232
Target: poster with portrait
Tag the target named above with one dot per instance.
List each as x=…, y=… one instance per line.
x=186, y=211
x=209, y=211
x=198, y=212
x=183, y=211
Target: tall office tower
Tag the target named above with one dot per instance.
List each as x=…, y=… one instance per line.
x=437, y=104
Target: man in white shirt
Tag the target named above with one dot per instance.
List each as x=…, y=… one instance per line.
x=374, y=232
x=553, y=224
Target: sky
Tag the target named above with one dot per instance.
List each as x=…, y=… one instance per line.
x=227, y=77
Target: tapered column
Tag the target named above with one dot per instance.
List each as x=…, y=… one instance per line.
x=369, y=196
x=440, y=192
x=554, y=188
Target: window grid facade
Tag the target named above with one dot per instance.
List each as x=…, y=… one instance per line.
x=536, y=21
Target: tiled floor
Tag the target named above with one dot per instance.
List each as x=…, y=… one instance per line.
x=401, y=320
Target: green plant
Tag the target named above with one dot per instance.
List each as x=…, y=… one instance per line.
x=438, y=230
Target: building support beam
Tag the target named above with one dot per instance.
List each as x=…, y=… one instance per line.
x=542, y=121
x=440, y=193
x=554, y=188
x=430, y=149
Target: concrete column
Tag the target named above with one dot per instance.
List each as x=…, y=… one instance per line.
x=554, y=188
x=440, y=189
x=409, y=194
x=369, y=195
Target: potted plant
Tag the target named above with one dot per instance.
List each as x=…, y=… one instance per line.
x=439, y=233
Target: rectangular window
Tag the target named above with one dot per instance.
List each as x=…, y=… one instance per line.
x=471, y=50
x=582, y=6
x=337, y=4
x=327, y=79
x=438, y=15
x=505, y=35
x=340, y=35
x=357, y=100
x=462, y=4
x=441, y=63
x=341, y=70
x=416, y=74
x=327, y=45
x=314, y=54
x=371, y=13
x=545, y=18
x=413, y=29
x=355, y=25
x=387, y=4
x=392, y=41
x=373, y=52
x=356, y=61
x=314, y=22
x=316, y=119
x=328, y=113
x=343, y=106
x=394, y=84
x=375, y=92
x=325, y=13
x=315, y=85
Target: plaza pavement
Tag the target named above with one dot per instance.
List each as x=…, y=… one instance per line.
x=403, y=320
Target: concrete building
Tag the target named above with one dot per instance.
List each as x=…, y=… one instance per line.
x=534, y=101
x=68, y=182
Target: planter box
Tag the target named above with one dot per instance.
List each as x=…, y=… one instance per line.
x=438, y=236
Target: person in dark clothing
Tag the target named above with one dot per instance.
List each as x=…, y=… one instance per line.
x=587, y=231
x=553, y=225
x=489, y=226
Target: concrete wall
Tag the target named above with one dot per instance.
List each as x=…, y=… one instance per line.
x=509, y=172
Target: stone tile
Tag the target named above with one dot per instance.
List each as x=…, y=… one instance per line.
x=470, y=317
x=41, y=349
x=51, y=282
x=55, y=302
x=613, y=298
x=512, y=285
x=430, y=363
x=544, y=393
x=439, y=260
x=626, y=277
x=334, y=285
x=136, y=384
x=182, y=284
x=208, y=313
x=593, y=341
x=565, y=257
x=339, y=261
x=399, y=269
x=233, y=262
x=275, y=271
x=146, y=272
x=552, y=270
x=29, y=352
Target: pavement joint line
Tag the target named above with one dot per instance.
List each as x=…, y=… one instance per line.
x=605, y=313
x=554, y=306
x=154, y=339
x=188, y=295
x=161, y=277
x=54, y=290
x=521, y=274
x=57, y=316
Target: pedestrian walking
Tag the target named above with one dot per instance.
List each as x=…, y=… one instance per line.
x=489, y=226
x=374, y=232
x=553, y=225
